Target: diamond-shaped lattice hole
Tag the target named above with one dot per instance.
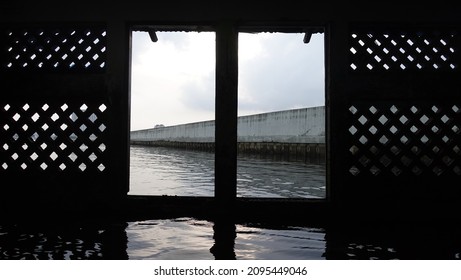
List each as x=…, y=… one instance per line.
x=53, y=156
x=73, y=137
x=445, y=139
x=53, y=137
x=34, y=136
x=83, y=127
x=73, y=117
x=404, y=139
x=383, y=119
x=6, y=127
x=64, y=107
x=424, y=119
x=54, y=117
x=102, y=108
x=24, y=146
x=455, y=129
x=385, y=161
x=406, y=160
x=373, y=129
x=384, y=140
x=92, y=137
x=5, y=166
x=354, y=171
x=374, y=150
x=83, y=108
x=6, y=107
x=416, y=170
x=353, y=130
x=43, y=166
x=436, y=149
x=457, y=170
x=35, y=117
x=82, y=167
x=102, y=127
x=16, y=117
x=435, y=109
x=63, y=126
x=394, y=109
x=45, y=127
x=414, y=129
x=354, y=150
x=73, y=157
x=415, y=150
x=24, y=166
x=396, y=171
x=25, y=127
x=15, y=137
x=101, y=167
x=62, y=146
x=393, y=130
x=353, y=110
x=424, y=139
x=435, y=129
x=364, y=161
x=92, y=157
x=83, y=147
x=93, y=117
x=45, y=107
x=43, y=146
x=447, y=160
x=34, y=156
x=375, y=170
x=6, y=147
x=445, y=119
x=403, y=119
x=457, y=150
x=455, y=109
x=438, y=170
x=373, y=110
x=102, y=147
x=414, y=110
x=426, y=160
x=363, y=140
x=15, y=156
x=62, y=166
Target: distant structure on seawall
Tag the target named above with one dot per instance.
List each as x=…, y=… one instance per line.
x=297, y=132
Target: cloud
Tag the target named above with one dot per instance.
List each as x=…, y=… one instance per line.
x=284, y=74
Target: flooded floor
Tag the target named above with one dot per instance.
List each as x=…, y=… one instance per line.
x=195, y=239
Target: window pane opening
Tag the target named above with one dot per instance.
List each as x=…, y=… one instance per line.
x=172, y=113
x=281, y=116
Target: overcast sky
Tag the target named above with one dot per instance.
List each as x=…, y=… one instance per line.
x=173, y=80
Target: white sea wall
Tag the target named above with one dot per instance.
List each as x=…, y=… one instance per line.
x=306, y=125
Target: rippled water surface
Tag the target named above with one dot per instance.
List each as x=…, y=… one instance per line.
x=189, y=238
x=193, y=239
x=165, y=171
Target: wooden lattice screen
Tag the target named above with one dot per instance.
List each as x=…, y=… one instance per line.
x=55, y=112
x=403, y=112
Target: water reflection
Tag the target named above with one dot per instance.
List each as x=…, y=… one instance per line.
x=63, y=241
x=189, y=238
x=167, y=171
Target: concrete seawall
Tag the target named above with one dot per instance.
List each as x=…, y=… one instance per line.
x=298, y=132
